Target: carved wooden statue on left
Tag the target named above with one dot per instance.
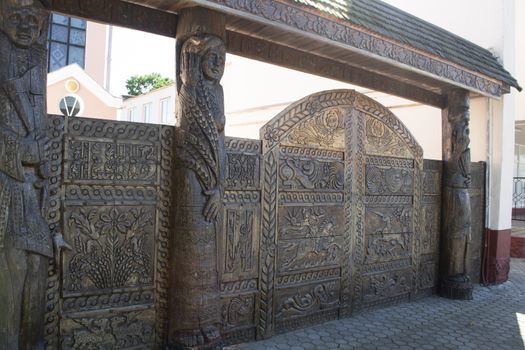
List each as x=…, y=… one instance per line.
x=26, y=242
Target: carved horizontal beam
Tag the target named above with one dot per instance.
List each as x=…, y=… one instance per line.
x=147, y=19
x=286, y=18
x=265, y=51
x=120, y=13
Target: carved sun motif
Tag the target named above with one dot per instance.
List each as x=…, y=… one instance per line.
x=325, y=129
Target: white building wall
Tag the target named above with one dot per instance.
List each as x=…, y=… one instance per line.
x=154, y=99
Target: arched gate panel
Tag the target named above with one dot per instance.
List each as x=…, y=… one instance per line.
x=341, y=211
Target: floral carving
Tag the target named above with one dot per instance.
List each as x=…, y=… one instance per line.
x=112, y=249
x=317, y=297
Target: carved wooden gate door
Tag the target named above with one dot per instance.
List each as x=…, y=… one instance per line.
x=110, y=194
x=341, y=193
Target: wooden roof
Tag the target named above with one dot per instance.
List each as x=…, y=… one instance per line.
x=402, y=27
x=364, y=42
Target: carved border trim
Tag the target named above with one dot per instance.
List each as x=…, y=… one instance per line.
x=244, y=286
x=418, y=223
x=390, y=162
x=358, y=209
x=310, y=197
x=388, y=200
x=234, y=144
x=164, y=229
x=288, y=15
x=56, y=128
x=312, y=152
x=110, y=193
x=113, y=130
x=306, y=277
x=105, y=301
x=268, y=247
x=387, y=266
x=349, y=202
x=232, y=197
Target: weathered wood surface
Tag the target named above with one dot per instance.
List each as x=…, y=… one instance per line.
x=194, y=321
x=333, y=212
x=456, y=212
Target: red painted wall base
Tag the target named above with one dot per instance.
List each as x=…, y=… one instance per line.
x=517, y=246
x=496, y=256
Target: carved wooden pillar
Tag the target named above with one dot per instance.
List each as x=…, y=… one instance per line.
x=199, y=176
x=26, y=243
x=456, y=215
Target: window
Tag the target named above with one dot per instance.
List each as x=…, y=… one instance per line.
x=67, y=42
x=131, y=114
x=165, y=110
x=146, y=113
x=70, y=106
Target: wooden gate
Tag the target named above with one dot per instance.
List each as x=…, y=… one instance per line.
x=332, y=212
x=341, y=212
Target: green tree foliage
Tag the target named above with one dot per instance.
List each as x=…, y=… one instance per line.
x=141, y=84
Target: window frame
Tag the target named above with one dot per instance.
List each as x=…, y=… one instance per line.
x=69, y=27
x=164, y=116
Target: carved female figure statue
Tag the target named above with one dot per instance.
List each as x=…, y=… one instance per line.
x=199, y=181
x=26, y=243
x=457, y=224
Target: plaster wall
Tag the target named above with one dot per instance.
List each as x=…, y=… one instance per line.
x=154, y=99
x=93, y=107
x=480, y=21
x=96, y=51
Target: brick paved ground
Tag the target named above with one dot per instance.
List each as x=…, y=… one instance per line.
x=495, y=319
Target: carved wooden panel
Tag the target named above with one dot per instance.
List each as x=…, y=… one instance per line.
x=239, y=243
x=431, y=225
x=304, y=215
x=319, y=220
x=344, y=217
x=116, y=205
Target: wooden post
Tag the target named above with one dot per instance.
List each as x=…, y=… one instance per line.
x=456, y=214
x=26, y=242
x=194, y=317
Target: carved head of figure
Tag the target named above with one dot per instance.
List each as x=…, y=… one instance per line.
x=460, y=130
x=203, y=57
x=23, y=21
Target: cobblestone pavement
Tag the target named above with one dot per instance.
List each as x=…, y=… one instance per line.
x=495, y=319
